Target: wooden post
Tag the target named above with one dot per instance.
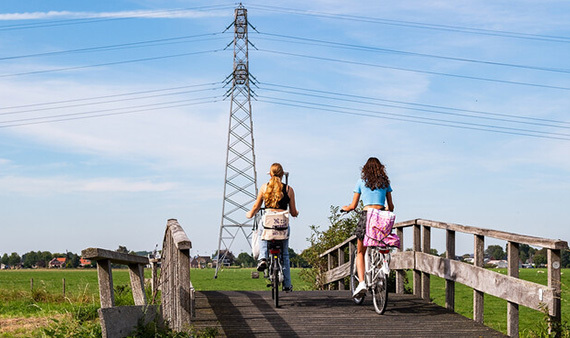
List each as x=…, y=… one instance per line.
x=330, y=266
x=478, y=296
x=400, y=274
x=105, y=276
x=185, y=302
x=513, y=271
x=450, y=284
x=340, y=254
x=426, y=248
x=554, y=258
x=136, y=274
x=417, y=273
x=154, y=278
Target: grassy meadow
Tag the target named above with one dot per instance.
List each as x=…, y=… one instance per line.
x=24, y=311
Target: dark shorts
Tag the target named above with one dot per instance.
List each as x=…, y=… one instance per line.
x=360, y=230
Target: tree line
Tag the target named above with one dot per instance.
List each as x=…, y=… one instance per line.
x=39, y=259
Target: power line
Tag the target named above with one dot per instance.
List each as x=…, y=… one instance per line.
x=318, y=42
x=103, y=113
x=420, y=25
x=75, y=103
x=405, y=118
x=479, y=114
x=157, y=42
x=110, y=63
x=321, y=58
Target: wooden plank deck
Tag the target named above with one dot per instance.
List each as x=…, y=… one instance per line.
x=327, y=314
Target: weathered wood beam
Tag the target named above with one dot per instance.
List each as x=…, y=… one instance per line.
x=512, y=307
x=478, y=295
x=426, y=248
x=450, y=284
x=507, y=236
x=512, y=289
x=114, y=256
x=105, y=277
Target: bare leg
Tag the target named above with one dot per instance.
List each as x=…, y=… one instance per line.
x=360, y=250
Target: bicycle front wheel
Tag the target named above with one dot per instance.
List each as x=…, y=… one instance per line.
x=275, y=282
x=354, y=280
x=380, y=294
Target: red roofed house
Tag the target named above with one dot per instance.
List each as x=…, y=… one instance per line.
x=84, y=262
x=58, y=262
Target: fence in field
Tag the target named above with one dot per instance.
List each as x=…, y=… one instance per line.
x=177, y=293
x=509, y=287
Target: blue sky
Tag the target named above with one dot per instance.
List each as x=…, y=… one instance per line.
x=465, y=102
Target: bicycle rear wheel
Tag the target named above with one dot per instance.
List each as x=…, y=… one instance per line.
x=380, y=290
x=354, y=280
x=275, y=282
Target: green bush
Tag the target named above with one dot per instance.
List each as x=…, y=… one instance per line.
x=340, y=229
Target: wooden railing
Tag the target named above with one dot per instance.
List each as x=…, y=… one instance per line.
x=509, y=287
x=120, y=321
x=177, y=293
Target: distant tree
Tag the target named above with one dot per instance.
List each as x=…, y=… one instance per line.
x=296, y=260
x=123, y=249
x=565, y=261
x=44, y=258
x=433, y=251
x=539, y=257
x=5, y=259
x=30, y=259
x=246, y=260
x=526, y=252
x=14, y=259
x=495, y=252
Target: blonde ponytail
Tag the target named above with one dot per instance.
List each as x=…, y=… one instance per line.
x=274, y=190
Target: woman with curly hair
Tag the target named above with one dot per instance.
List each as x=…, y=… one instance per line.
x=374, y=189
x=277, y=197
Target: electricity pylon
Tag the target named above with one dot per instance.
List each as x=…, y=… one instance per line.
x=240, y=186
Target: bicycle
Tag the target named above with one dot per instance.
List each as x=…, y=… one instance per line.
x=274, y=272
x=275, y=269
x=377, y=270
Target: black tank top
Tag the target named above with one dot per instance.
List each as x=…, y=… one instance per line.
x=284, y=201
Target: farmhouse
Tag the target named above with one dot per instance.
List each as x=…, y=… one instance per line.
x=57, y=263
x=201, y=262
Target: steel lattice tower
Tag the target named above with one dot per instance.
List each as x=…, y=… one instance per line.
x=240, y=187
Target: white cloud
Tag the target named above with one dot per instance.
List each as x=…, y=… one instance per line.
x=64, y=185
x=162, y=14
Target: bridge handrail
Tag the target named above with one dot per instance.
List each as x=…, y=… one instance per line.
x=104, y=259
x=177, y=293
x=510, y=287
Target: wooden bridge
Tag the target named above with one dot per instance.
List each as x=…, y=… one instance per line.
x=332, y=313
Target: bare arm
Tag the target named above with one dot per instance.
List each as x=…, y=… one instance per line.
x=292, y=206
x=389, y=200
x=354, y=203
x=257, y=203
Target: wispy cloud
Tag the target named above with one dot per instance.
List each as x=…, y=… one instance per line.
x=162, y=14
x=50, y=185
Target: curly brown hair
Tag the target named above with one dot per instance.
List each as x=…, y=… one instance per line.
x=374, y=174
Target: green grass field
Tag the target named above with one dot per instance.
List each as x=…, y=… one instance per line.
x=17, y=300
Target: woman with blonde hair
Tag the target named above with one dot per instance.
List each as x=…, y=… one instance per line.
x=277, y=197
x=375, y=190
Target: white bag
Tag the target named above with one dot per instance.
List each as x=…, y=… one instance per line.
x=255, y=244
x=275, y=225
